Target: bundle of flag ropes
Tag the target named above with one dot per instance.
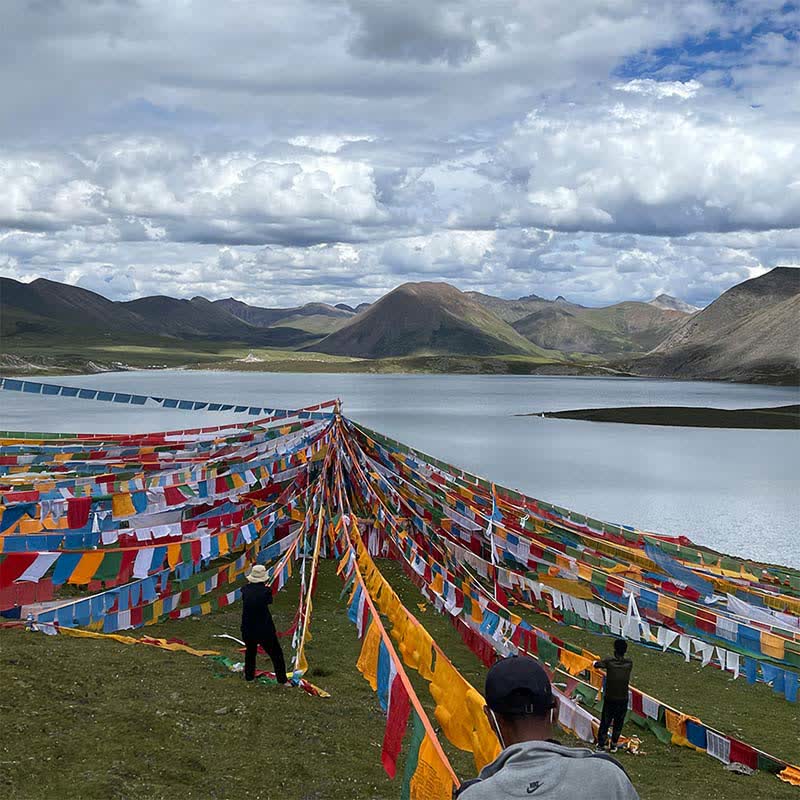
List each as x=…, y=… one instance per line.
x=164, y=525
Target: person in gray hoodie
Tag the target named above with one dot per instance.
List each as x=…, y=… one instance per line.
x=521, y=709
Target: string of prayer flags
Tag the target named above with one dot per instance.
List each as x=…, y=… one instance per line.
x=163, y=525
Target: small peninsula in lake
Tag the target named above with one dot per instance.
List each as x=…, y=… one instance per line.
x=775, y=418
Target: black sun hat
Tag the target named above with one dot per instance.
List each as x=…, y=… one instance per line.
x=518, y=685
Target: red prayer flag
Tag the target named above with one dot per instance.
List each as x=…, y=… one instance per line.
x=396, y=722
x=78, y=511
x=173, y=496
x=742, y=753
x=13, y=565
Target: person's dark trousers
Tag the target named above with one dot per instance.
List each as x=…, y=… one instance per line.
x=613, y=716
x=272, y=647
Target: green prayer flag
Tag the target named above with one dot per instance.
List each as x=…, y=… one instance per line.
x=548, y=652
x=109, y=567
x=412, y=759
x=659, y=731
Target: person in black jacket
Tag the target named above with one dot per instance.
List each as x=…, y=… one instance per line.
x=258, y=627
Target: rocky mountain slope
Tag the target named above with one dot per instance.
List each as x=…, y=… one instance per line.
x=669, y=303
x=749, y=333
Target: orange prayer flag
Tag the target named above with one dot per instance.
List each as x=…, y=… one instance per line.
x=86, y=568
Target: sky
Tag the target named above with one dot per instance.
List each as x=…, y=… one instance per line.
x=315, y=150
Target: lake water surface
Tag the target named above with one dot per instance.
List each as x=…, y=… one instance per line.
x=735, y=490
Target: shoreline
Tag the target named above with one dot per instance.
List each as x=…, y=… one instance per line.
x=771, y=418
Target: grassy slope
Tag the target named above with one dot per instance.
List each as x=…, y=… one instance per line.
x=320, y=324
x=73, y=356
x=105, y=720
x=631, y=326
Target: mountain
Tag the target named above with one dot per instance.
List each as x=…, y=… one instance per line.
x=510, y=310
x=633, y=326
x=46, y=311
x=253, y=315
x=425, y=319
x=749, y=333
x=169, y=316
x=45, y=307
x=667, y=302
x=556, y=328
x=621, y=328
x=315, y=318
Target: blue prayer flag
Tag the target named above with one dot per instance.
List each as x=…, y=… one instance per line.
x=790, y=681
x=696, y=734
x=383, y=676
x=65, y=566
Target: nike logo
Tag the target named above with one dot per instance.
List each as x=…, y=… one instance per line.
x=533, y=786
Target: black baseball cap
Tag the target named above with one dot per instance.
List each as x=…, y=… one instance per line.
x=518, y=685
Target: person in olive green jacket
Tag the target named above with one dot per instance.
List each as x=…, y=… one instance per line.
x=615, y=694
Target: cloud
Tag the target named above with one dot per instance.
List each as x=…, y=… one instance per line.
x=328, y=151
x=661, y=89
x=641, y=165
x=414, y=31
x=161, y=188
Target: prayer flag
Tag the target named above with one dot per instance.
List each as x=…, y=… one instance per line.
x=396, y=724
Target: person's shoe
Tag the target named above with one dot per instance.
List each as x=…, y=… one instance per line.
x=599, y=747
x=614, y=748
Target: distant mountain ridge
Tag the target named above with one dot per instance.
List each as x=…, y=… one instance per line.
x=558, y=324
x=46, y=309
x=750, y=333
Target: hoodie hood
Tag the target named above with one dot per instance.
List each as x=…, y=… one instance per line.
x=533, y=754
x=550, y=771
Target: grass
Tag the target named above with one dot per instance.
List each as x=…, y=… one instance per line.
x=28, y=356
x=204, y=354
x=97, y=719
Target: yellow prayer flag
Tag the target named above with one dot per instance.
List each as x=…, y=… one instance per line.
x=368, y=660
x=122, y=505
x=574, y=663
x=449, y=690
x=772, y=646
x=667, y=606
x=485, y=746
x=790, y=775
x=27, y=526
x=425, y=649
x=173, y=554
x=432, y=779
x=573, y=588
x=675, y=722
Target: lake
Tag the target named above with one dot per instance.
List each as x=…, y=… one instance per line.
x=735, y=490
